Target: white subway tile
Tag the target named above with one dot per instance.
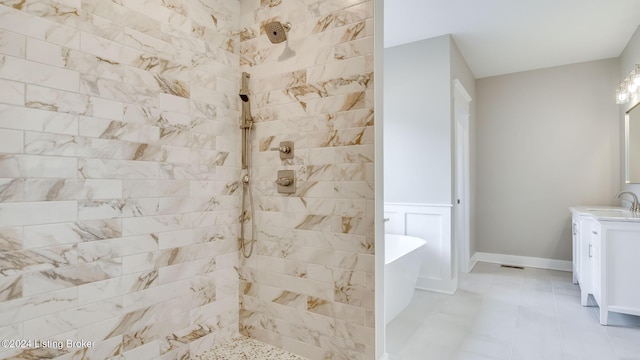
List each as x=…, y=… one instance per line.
x=115, y=287
x=11, y=332
x=70, y=189
x=56, y=100
x=12, y=44
x=27, y=24
x=38, y=166
x=155, y=295
x=173, y=103
x=71, y=233
x=133, y=264
x=68, y=320
x=11, y=92
x=70, y=276
x=107, y=49
x=31, y=72
x=33, y=213
x=109, y=129
x=336, y=70
x=148, y=351
x=102, y=209
x=65, y=145
x=154, y=224
x=155, y=188
x=174, y=239
x=26, y=308
x=21, y=118
x=11, y=141
x=117, y=169
x=105, y=108
x=11, y=238
x=168, y=274
x=134, y=113
x=119, y=247
x=46, y=53
x=71, y=3
x=10, y=286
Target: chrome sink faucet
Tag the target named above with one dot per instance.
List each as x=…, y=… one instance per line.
x=635, y=207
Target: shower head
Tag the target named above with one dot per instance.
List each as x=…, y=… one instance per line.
x=244, y=90
x=276, y=31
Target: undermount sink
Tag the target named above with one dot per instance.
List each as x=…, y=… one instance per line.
x=608, y=209
x=609, y=213
x=612, y=212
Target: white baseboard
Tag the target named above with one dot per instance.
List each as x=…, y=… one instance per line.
x=472, y=262
x=442, y=286
x=524, y=261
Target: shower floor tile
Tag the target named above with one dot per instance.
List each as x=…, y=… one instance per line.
x=244, y=348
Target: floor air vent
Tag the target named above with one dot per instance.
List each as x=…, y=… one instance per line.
x=512, y=267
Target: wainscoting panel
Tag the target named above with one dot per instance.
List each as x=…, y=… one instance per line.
x=433, y=224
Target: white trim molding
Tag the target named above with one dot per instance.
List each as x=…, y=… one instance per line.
x=431, y=222
x=457, y=84
x=448, y=287
x=524, y=261
x=473, y=261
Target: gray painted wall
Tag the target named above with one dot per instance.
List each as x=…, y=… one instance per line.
x=417, y=122
x=629, y=57
x=546, y=140
x=419, y=145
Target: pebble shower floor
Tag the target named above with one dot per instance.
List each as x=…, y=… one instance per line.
x=243, y=348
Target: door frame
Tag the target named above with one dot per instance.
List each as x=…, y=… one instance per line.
x=461, y=203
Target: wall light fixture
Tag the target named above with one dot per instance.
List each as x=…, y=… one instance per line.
x=629, y=87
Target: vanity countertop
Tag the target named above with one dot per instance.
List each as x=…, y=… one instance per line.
x=606, y=213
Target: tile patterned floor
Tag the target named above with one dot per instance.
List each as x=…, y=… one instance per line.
x=510, y=314
x=244, y=348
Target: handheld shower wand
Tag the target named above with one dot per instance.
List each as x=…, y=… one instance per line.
x=244, y=91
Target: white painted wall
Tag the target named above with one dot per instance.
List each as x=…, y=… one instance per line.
x=546, y=140
x=419, y=143
x=417, y=122
x=629, y=57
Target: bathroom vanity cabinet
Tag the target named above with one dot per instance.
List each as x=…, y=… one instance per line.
x=606, y=251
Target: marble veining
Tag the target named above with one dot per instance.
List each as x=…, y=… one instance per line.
x=310, y=287
x=118, y=172
x=120, y=168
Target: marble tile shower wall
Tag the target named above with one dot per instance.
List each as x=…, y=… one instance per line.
x=118, y=168
x=309, y=287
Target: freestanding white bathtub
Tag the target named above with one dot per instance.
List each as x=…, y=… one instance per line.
x=402, y=260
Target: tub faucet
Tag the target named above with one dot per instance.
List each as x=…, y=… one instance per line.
x=635, y=207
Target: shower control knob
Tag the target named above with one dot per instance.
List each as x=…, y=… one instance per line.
x=285, y=148
x=284, y=181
